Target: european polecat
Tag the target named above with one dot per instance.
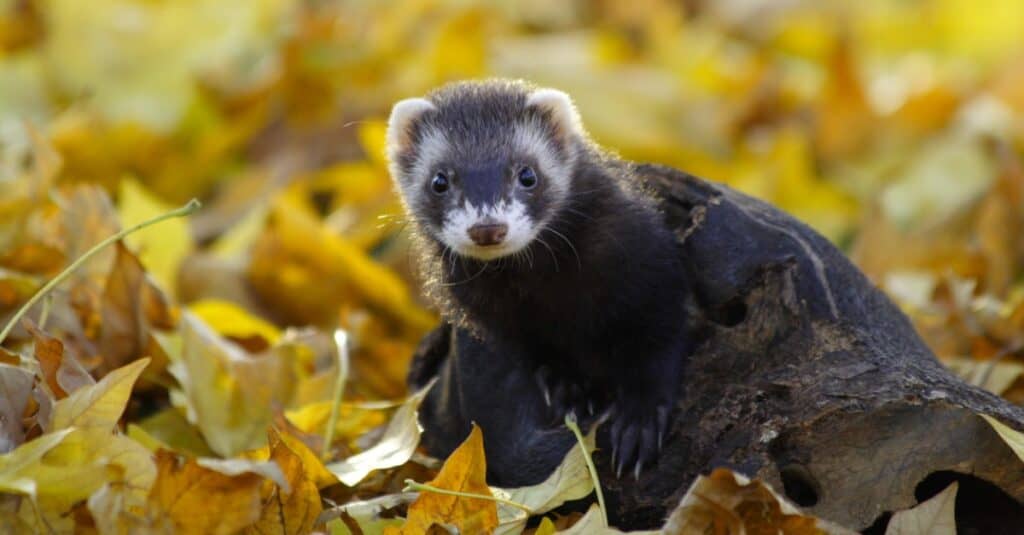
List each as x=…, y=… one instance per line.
x=537, y=241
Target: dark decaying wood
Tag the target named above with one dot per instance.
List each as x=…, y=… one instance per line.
x=807, y=377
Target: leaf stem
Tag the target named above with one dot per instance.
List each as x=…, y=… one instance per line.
x=188, y=209
x=570, y=422
x=411, y=485
x=341, y=342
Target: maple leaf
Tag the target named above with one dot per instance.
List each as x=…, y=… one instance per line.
x=184, y=491
x=464, y=471
x=294, y=510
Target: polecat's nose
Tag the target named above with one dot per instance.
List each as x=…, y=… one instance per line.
x=488, y=234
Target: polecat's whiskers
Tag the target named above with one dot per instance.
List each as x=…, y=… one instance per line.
x=550, y=250
x=528, y=255
x=451, y=258
x=578, y=212
x=579, y=262
x=483, y=267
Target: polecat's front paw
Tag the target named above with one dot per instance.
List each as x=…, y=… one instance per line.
x=562, y=396
x=638, y=429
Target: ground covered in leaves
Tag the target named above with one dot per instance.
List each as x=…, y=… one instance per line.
x=242, y=368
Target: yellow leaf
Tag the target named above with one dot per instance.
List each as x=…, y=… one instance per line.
x=294, y=510
x=233, y=321
x=189, y=498
x=354, y=420
x=143, y=437
x=230, y=392
x=464, y=471
x=309, y=272
x=172, y=430
x=932, y=517
x=546, y=527
x=87, y=459
x=100, y=405
x=1013, y=438
x=161, y=248
x=372, y=136
x=14, y=465
x=314, y=468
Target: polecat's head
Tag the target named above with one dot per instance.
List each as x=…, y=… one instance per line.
x=483, y=166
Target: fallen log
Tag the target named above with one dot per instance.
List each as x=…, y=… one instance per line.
x=807, y=377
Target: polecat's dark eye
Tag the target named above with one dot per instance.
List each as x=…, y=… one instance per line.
x=527, y=178
x=439, y=183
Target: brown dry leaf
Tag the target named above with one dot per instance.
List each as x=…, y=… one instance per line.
x=726, y=502
x=294, y=510
x=999, y=224
x=189, y=498
x=129, y=305
x=932, y=517
x=464, y=471
x=16, y=385
x=62, y=371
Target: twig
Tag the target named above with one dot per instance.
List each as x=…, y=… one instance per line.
x=570, y=422
x=341, y=341
x=188, y=209
x=412, y=485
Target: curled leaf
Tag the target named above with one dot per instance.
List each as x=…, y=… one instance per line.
x=394, y=448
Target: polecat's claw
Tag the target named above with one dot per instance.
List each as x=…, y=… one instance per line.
x=663, y=412
x=637, y=434
x=628, y=448
x=648, y=449
x=542, y=376
x=615, y=433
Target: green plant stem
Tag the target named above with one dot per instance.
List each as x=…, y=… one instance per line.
x=44, y=315
x=570, y=422
x=341, y=342
x=412, y=485
x=188, y=209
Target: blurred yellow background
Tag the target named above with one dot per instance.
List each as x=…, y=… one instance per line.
x=894, y=127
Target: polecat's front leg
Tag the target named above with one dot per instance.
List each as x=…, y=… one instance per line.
x=642, y=408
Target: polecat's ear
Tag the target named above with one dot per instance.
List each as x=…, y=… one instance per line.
x=561, y=108
x=403, y=114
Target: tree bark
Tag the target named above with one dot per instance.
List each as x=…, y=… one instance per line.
x=807, y=376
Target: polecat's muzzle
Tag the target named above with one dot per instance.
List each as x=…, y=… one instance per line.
x=488, y=234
